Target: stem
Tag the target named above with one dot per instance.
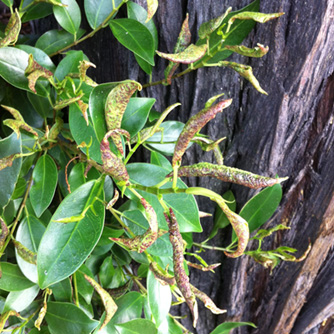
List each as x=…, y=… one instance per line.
x=75, y=285
x=210, y=247
x=92, y=33
x=132, y=152
x=121, y=222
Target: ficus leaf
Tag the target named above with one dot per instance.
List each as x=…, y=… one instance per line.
x=257, y=17
x=12, y=30
x=152, y=6
x=191, y=54
x=257, y=52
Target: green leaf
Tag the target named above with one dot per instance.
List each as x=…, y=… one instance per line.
x=190, y=55
x=9, y=175
x=69, y=64
x=138, y=224
x=239, y=31
x=107, y=272
x=69, y=16
x=8, y=3
x=41, y=104
x=45, y=177
x=130, y=307
x=64, y=247
x=183, y=205
x=135, y=37
x=55, y=40
x=83, y=133
x=37, y=11
x=137, y=326
x=171, y=132
x=226, y=327
x=160, y=160
x=77, y=177
x=66, y=318
x=13, y=63
x=136, y=113
x=20, y=188
x=62, y=291
x=104, y=245
x=84, y=288
x=157, y=293
x=20, y=300
x=29, y=233
x=12, y=278
x=97, y=11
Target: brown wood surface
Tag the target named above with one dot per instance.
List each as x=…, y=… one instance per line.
x=289, y=133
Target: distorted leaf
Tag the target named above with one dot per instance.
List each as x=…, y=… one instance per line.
x=152, y=6
x=257, y=17
x=191, y=54
x=25, y=253
x=257, y=52
x=12, y=30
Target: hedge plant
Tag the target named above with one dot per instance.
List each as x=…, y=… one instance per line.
x=93, y=241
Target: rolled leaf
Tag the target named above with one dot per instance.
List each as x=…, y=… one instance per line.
x=203, y=268
x=162, y=277
x=113, y=200
x=41, y=316
x=5, y=316
x=191, y=54
x=257, y=52
x=150, y=215
x=84, y=65
x=25, y=253
x=4, y=233
x=114, y=134
x=208, y=303
x=8, y=161
x=152, y=6
x=195, y=124
x=257, y=17
x=228, y=174
x=12, y=30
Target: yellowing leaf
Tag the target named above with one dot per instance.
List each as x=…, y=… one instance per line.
x=12, y=30
x=257, y=52
x=152, y=6
x=191, y=54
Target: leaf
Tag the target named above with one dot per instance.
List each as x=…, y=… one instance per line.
x=69, y=16
x=183, y=205
x=68, y=318
x=62, y=291
x=45, y=177
x=226, y=327
x=54, y=40
x=137, y=326
x=130, y=307
x=84, y=288
x=20, y=188
x=29, y=233
x=152, y=6
x=20, y=300
x=190, y=55
x=135, y=37
x=97, y=11
x=12, y=30
x=69, y=64
x=12, y=278
x=77, y=177
x=13, y=63
x=9, y=176
x=156, y=293
x=64, y=247
x=160, y=160
x=41, y=104
x=136, y=113
x=37, y=11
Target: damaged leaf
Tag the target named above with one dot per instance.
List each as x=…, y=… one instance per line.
x=12, y=30
x=257, y=52
x=191, y=54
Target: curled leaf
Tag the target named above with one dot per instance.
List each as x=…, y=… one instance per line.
x=4, y=233
x=152, y=6
x=228, y=174
x=65, y=103
x=41, y=316
x=25, y=253
x=246, y=72
x=18, y=123
x=203, y=268
x=257, y=17
x=113, y=200
x=83, y=108
x=209, y=27
x=114, y=134
x=208, y=303
x=191, y=54
x=261, y=234
x=34, y=76
x=12, y=30
x=195, y=124
x=163, y=277
x=116, y=103
x=182, y=42
x=84, y=65
x=150, y=215
x=109, y=304
x=112, y=164
x=120, y=291
x=5, y=316
x=182, y=280
x=55, y=129
x=257, y=52
x=7, y=161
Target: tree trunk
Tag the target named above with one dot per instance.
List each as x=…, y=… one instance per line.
x=289, y=133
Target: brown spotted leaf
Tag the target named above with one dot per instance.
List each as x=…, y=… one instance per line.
x=228, y=174
x=34, y=76
x=65, y=103
x=83, y=108
x=34, y=66
x=195, y=124
x=5, y=316
x=4, y=233
x=257, y=52
x=41, y=316
x=190, y=55
x=203, y=268
x=152, y=6
x=25, y=253
x=119, y=292
x=109, y=304
x=55, y=129
x=150, y=215
x=12, y=30
x=161, y=275
x=208, y=303
x=257, y=17
x=114, y=134
x=83, y=67
x=8, y=161
x=113, y=200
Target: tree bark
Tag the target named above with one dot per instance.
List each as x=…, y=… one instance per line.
x=289, y=133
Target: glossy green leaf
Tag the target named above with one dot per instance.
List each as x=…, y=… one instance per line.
x=157, y=293
x=69, y=16
x=44, y=330
x=62, y=291
x=41, y=104
x=13, y=63
x=183, y=205
x=20, y=300
x=20, y=188
x=221, y=220
x=138, y=224
x=171, y=132
x=77, y=177
x=261, y=207
x=135, y=37
x=45, y=177
x=107, y=272
x=9, y=175
x=97, y=11
x=29, y=234
x=137, y=326
x=64, y=247
x=130, y=307
x=83, y=133
x=160, y=160
x=8, y=3
x=84, y=288
x=104, y=245
x=66, y=318
x=136, y=113
x=69, y=64
x=55, y=40
x=238, y=32
x=169, y=327
x=37, y=11
x=226, y=327
x=12, y=278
